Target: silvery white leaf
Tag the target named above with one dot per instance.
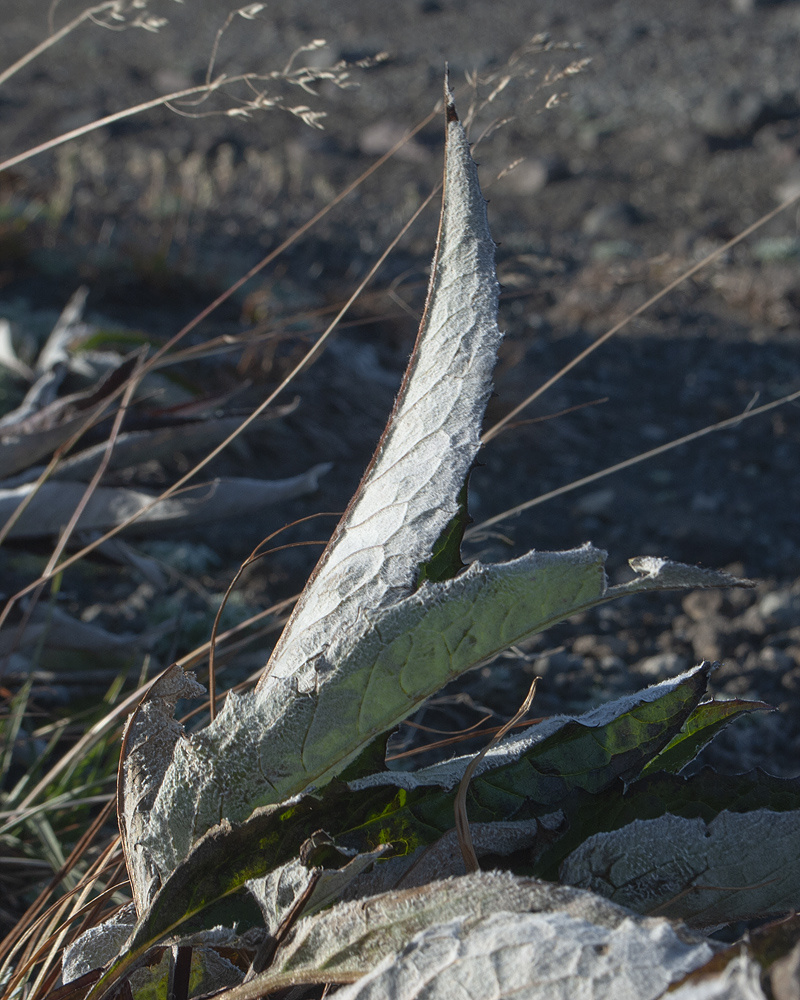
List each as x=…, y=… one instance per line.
x=278, y=892
x=363, y=650
x=531, y=956
x=260, y=751
x=409, y=492
x=263, y=750
x=133, y=447
x=53, y=504
x=98, y=945
x=148, y=743
x=8, y=356
x=490, y=931
x=54, y=627
x=737, y=866
x=334, y=882
x=68, y=328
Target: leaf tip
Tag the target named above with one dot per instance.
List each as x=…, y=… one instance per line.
x=451, y=115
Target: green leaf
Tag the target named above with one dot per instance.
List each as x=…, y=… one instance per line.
x=588, y=752
x=699, y=730
x=534, y=772
x=702, y=796
x=738, y=866
x=445, y=562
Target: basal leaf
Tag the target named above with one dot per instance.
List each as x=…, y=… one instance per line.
x=455, y=937
x=699, y=730
x=736, y=867
x=260, y=752
x=547, y=761
x=528, y=775
x=702, y=796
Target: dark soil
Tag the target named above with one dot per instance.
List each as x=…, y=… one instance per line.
x=684, y=129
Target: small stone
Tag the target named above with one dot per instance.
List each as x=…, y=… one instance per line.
x=702, y=604
x=610, y=220
x=730, y=113
x=533, y=175
x=706, y=640
x=781, y=607
x=662, y=665
x=772, y=659
x=377, y=139
x=595, y=502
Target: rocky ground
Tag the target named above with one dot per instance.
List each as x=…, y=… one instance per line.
x=683, y=129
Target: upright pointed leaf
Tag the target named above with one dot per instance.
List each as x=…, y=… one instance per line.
x=408, y=496
x=410, y=490
x=365, y=648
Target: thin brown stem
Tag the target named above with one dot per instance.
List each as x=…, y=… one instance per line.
x=460, y=805
x=495, y=430
x=254, y=556
x=628, y=462
x=52, y=39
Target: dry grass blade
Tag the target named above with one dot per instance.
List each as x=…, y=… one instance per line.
x=27, y=923
x=709, y=259
x=254, y=556
x=460, y=804
x=55, y=37
x=628, y=462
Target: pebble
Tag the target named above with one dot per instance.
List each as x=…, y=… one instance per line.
x=730, y=113
x=781, y=607
x=379, y=138
x=611, y=219
x=532, y=175
x=662, y=665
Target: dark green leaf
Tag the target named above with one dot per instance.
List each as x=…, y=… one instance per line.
x=703, y=795
x=575, y=756
x=699, y=730
x=445, y=561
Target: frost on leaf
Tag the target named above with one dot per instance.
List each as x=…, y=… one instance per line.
x=491, y=934
x=737, y=866
x=147, y=747
x=547, y=956
x=364, y=647
x=409, y=493
x=253, y=752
